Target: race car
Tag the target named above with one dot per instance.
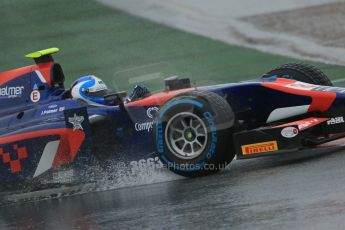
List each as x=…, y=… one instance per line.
x=192, y=131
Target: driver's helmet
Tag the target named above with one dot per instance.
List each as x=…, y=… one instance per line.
x=90, y=89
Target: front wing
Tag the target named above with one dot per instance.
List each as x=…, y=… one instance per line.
x=288, y=137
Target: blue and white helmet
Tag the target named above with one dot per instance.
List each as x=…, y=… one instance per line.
x=91, y=90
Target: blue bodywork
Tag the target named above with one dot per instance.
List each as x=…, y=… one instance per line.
x=129, y=126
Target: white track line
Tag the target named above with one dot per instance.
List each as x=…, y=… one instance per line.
x=220, y=20
x=338, y=80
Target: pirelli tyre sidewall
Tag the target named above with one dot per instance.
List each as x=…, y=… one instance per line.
x=214, y=115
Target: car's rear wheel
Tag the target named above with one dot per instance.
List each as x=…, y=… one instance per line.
x=301, y=72
x=193, y=133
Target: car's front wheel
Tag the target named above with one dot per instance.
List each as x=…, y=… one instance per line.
x=193, y=133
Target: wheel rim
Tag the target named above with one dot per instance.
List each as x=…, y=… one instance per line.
x=186, y=135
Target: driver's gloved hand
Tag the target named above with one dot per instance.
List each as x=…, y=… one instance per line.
x=138, y=92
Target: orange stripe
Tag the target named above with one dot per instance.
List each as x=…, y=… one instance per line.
x=158, y=98
x=70, y=142
x=321, y=101
x=10, y=75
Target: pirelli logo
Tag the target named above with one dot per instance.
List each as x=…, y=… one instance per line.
x=262, y=147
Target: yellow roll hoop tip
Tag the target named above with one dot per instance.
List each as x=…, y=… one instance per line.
x=42, y=53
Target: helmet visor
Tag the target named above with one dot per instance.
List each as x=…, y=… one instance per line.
x=100, y=93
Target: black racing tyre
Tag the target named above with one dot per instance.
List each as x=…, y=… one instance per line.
x=193, y=133
x=301, y=72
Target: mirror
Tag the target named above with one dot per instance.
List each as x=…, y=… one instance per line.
x=115, y=98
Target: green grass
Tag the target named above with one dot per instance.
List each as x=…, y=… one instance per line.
x=95, y=39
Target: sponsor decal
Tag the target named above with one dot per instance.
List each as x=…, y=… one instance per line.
x=335, y=120
x=151, y=112
x=301, y=86
x=261, y=147
x=48, y=111
x=160, y=140
x=13, y=158
x=212, y=149
x=144, y=164
x=306, y=124
x=98, y=86
x=76, y=121
x=147, y=126
x=52, y=106
x=52, y=109
x=310, y=87
x=15, y=91
x=289, y=132
x=329, y=89
x=35, y=96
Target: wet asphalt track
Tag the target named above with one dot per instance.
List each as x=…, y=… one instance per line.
x=304, y=191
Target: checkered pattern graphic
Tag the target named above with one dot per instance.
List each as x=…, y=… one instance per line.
x=15, y=165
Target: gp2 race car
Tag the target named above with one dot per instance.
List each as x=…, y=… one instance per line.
x=193, y=131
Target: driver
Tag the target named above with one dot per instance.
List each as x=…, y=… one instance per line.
x=92, y=90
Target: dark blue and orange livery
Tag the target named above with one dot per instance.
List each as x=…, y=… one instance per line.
x=43, y=129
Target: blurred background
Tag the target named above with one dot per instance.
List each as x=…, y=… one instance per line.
x=146, y=40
